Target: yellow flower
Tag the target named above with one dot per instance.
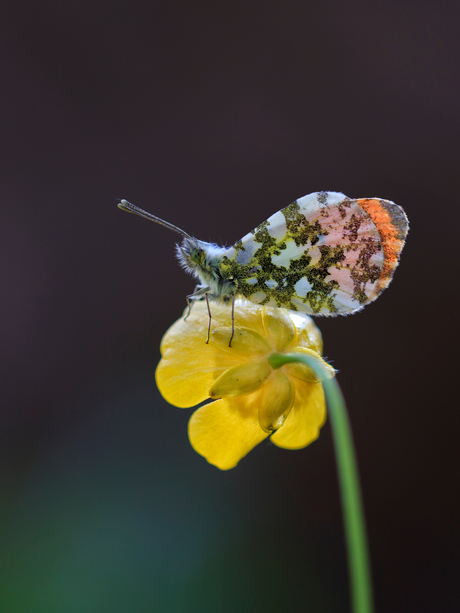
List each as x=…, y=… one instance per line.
x=253, y=399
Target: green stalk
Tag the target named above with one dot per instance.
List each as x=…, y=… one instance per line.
x=353, y=515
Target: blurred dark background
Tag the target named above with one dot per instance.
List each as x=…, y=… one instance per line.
x=214, y=116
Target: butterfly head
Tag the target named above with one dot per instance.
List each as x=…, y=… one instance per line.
x=203, y=260
x=191, y=254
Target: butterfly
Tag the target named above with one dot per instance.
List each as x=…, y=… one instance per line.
x=324, y=254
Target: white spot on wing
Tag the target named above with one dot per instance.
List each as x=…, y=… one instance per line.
x=277, y=225
x=308, y=202
x=303, y=308
x=302, y=287
x=271, y=283
x=292, y=252
x=244, y=256
x=311, y=207
x=334, y=198
x=258, y=297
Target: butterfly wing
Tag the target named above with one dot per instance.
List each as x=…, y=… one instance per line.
x=323, y=254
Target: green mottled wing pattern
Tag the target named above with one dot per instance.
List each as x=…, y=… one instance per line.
x=323, y=254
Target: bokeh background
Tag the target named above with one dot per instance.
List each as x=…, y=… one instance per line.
x=214, y=116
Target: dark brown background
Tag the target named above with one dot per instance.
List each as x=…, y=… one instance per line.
x=214, y=116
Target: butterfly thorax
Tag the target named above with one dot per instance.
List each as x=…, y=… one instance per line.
x=203, y=261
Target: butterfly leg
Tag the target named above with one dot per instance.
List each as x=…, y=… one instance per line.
x=198, y=293
x=209, y=313
x=190, y=302
x=233, y=321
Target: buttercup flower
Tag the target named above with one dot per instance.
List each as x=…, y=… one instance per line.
x=252, y=399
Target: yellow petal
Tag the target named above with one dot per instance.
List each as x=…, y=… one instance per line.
x=189, y=366
x=249, y=315
x=303, y=372
x=279, y=327
x=307, y=334
x=241, y=379
x=307, y=415
x=276, y=401
x=224, y=431
x=245, y=343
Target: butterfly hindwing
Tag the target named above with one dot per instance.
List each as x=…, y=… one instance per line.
x=323, y=254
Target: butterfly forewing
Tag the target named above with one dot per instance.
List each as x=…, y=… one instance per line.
x=323, y=254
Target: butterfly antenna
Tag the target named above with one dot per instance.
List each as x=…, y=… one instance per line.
x=124, y=205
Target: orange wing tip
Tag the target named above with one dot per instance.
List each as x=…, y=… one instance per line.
x=392, y=225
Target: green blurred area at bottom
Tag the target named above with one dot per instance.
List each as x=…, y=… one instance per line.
x=122, y=515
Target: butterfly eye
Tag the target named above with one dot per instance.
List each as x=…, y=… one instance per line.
x=197, y=256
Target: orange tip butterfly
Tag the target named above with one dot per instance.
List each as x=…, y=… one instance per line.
x=324, y=254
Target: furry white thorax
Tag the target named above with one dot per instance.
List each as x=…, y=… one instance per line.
x=202, y=260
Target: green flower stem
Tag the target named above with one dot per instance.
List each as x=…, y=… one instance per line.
x=353, y=515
